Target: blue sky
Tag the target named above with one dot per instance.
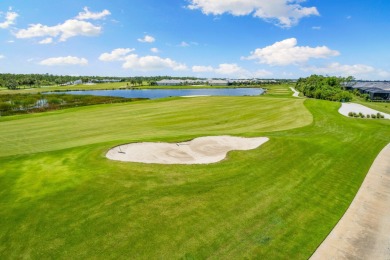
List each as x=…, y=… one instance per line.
x=203, y=38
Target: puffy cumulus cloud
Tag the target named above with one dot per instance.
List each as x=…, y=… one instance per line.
x=64, y=31
x=345, y=70
x=61, y=61
x=147, y=39
x=155, y=50
x=231, y=69
x=201, y=69
x=69, y=28
x=88, y=15
x=287, y=52
x=145, y=63
x=10, y=18
x=46, y=41
x=284, y=13
x=149, y=63
x=115, y=55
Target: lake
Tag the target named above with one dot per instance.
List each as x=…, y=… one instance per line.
x=162, y=93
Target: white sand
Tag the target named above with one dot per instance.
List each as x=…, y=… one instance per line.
x=364, y=230
x=200, y=150
x=296, y=93
x=353, y=107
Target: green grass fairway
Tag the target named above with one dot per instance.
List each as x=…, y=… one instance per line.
x=62, y=199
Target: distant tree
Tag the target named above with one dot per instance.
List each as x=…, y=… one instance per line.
x=320, y=87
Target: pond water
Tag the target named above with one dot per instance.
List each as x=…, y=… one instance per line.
x=162, y=93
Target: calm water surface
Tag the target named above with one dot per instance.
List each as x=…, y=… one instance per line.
x=162, y=93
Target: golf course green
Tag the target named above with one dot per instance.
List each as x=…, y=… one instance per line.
x=61, y=198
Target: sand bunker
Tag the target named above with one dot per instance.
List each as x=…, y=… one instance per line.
x=201, y=150
x=353, y=107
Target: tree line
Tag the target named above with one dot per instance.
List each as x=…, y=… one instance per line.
x=327, y=88
x=17, y=81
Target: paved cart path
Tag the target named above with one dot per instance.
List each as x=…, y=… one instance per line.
x=364, y=230
x=353, y=107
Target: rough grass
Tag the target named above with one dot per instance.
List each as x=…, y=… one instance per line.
x=279, y=90
x=276, y=202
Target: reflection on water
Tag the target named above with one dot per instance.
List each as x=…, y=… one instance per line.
x=162, y=93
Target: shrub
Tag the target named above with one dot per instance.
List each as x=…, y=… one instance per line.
x=373, y=116
x=368, y=116
x=350, y=114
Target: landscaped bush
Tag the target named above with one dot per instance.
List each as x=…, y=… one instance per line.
x=379, y=115
x=373, y=116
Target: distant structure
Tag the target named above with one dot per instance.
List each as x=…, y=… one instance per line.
x=170, y=82
x=218, y=82
x=377, y=90
x=70, y=83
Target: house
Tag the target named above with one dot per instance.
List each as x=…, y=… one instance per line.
x=376, y=90
x=169, y=82
x=218, y=82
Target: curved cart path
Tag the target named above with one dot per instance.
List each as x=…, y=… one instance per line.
x=364, y=230
x=296, y=93
x=353, y=107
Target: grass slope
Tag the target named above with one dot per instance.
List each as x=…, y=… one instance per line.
x=169, y=119
x=279, y=201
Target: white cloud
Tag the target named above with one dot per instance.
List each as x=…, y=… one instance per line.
x=88, y=15
x=2, y=56
x=145, y=63
x=316, y=27
x=225, y=69
x=10, y=18
x=201, y=69
x=229, y=68
x=69, y=28
x=284, y=13
x=147, y=39
x=262, y=74
x=384, y=74
x=64, y=31
x=148, y=63
x=46, y=41
x=342, y=70
x=154, y=50
x=115, y=55
x=61, y=61
x=287, y=52
x=184, y=44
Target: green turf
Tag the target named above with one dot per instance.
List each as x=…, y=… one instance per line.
x=64, y=200
x=169, y=119
x=380, y=106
